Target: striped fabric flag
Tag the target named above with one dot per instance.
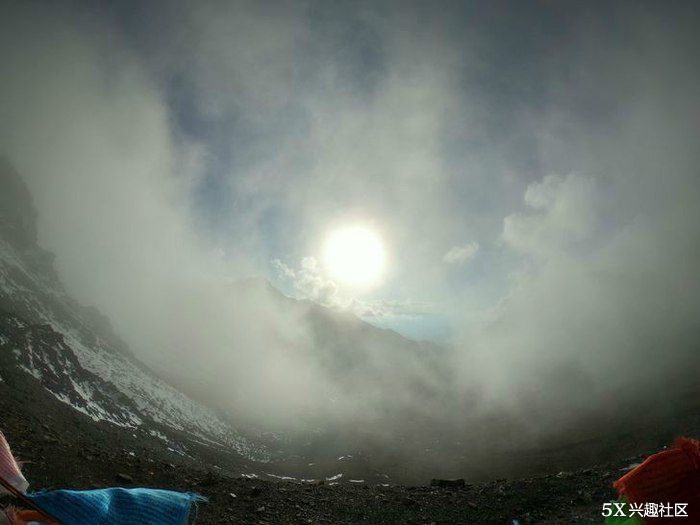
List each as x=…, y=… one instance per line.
x=9, y=469
x=117, y=506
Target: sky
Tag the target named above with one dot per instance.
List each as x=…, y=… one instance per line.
x=530, y=166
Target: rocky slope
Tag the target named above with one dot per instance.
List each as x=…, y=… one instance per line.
x=50, y=342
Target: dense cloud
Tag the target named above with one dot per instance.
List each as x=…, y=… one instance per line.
x=171, y=149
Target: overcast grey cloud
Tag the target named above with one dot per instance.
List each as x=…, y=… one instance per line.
x=531, y=169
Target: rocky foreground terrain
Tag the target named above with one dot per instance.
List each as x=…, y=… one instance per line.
x=65, y=449
x=70, y=453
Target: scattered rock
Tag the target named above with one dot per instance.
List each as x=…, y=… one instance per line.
x=124, y=478
x=447, y=483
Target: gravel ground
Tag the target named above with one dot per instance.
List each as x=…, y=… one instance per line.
x=63, y=449
x=58, y=458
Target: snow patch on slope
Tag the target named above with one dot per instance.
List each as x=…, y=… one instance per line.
x=33, y=296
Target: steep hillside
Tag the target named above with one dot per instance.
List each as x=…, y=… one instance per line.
x=51, y=342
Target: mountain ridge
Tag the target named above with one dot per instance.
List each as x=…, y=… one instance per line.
x=72, y=352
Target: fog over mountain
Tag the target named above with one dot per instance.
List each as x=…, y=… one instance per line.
x=531, y=168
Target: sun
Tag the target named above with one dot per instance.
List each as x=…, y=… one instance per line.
x=355, y=255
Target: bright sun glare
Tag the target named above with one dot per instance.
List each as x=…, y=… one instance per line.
x=355, y=255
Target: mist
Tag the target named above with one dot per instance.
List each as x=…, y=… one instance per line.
x=533, y=172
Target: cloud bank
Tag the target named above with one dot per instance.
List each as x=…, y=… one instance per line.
x=175, y=149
